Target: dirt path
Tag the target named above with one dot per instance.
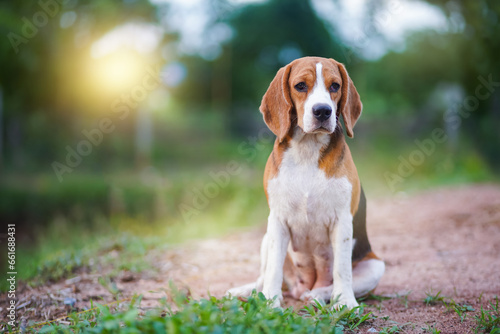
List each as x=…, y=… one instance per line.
x=443, y=240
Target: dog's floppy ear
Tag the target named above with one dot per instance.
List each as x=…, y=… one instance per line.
x=350, y=104
x=277, y=105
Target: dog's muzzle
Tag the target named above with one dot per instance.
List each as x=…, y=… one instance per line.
x=322, y=112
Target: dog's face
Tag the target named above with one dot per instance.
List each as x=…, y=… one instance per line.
x=312, y=92
x=315, y=92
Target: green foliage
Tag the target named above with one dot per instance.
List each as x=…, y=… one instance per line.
x=433, y=299
x=462, y=310
x=404, y=298
x=475, y=47
x=82, y=232
x=395, y=328
x=258, y=54
x=39, y=199
x=212, y=315
x=60, y=266
x=117, y=251
x=34, y=58
x=372, y=296
x=488, y=321
x=390, y=330
x=86, y=197
x=431, y=329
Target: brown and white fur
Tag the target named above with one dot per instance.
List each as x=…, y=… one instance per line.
x=316, y=239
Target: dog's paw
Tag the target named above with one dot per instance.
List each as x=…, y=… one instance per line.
x=276, y=299
x=349, y=302
x=241, y=291
x=310, y=296
x=234, y=292
x=276, y=303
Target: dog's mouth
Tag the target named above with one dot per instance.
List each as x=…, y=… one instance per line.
x=323, y=128
x=318, y=127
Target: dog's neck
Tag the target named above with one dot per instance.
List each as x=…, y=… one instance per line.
x=311, y=147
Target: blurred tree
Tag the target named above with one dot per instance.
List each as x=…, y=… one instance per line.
x=266, y=37
x=406, y=80
x=479, y=50
x=465, y=54
x=43, y=44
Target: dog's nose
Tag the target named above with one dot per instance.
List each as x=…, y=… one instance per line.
x=322, y=112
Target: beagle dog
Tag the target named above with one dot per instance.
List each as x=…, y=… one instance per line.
x=316, y=240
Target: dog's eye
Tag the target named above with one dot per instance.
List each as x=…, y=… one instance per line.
x=301, y=87
x=334, y=87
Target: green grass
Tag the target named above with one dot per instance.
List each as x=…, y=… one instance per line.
x=488, y=320
x=212, y=315
x=444, y=167
x=392, y=329
x=434, y=298
x=461, y=310
x=404, y=298
x=431, y=329
x=118, y=252
x=450, y=304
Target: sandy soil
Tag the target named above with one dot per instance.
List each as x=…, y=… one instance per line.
x=444, y=240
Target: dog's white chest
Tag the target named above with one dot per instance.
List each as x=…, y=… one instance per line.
x=302, y=195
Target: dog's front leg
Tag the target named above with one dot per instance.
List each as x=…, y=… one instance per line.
x=278, y=237
x=342, y=263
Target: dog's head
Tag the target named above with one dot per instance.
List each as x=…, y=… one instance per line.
x=313, y=92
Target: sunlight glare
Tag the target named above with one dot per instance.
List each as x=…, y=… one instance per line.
x=118, y=71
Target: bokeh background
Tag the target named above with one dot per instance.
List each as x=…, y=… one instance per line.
x=140, y=118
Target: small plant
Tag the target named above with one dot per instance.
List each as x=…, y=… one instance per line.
x=390, y=330
x=109, y=284
x=372, y=296
x=431, y=329
x=396, y=328
x=451, y=305
x=433, y=299
x=404, y=298
x=461, y=310
x=488, y=321
x=60, y=266
x=378, y=298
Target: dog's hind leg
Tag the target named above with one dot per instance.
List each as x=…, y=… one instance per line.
x=365, y=277
x=246, y=290
x=367, y=268
x=366, y=274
